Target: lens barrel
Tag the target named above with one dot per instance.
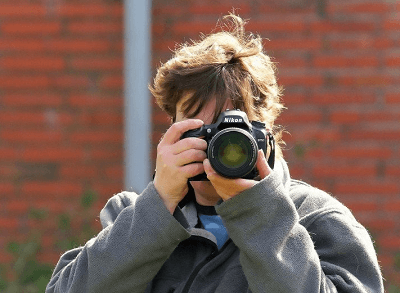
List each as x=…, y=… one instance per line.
x=233, y=152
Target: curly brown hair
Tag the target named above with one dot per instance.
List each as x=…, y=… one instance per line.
x=225, y=65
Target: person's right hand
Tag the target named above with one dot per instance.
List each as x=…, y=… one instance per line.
x=177, y=161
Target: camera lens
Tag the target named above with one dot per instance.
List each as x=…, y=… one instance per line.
x=233, y=152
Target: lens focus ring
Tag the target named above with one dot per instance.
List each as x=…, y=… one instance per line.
x=233, y=152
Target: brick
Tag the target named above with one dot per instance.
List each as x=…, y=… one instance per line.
x=53, y=154
x=313, y=133
x=104, y=154
x=365, y=81
x=31, y=99
x=375, y=188
x=358, y=207
x=342, y=27
x=55, y=206
x=361, y=152
x=19, y=117
x=78, y=171
x=216, y=8
x=289, y=26
x=167, y=10
x=344, y=171
x=338, y=98
x=97, y=63
x=17, y=206
x=392, y=98
x=362, y=42
x=101, y=119
x=96, y=101
x=53, y=189
x=192, y=28
x=14, y=81
x=302, y=116
x=355, y=8
x=158, y=29
x=97, y=137
x=378, y=224
x=8, y=152
x=107, y=190
x=301, y=80
x=50, y=257
x=27, y=136
x=375, y=135
x=114, y=172
x=8, y=223
x=288, y=63
x=390, y=242
x=379, y=116
x=73, y=45
x=340, y=61
x=9, y=171
x=76, y=9
x=30, y=28
x=48, y=118
x=6, y=188
x=391, y=24
x=393, y=171
x=115, y=81
x=71, y=81
x=95, y=27
x=41, y=63
x=160, y=117
x=342, y=117
x=27, y=44
x=22, y=10
x=393, y=61
x=6, y=258
x=393, y=206
x=163, y=46
x=290, y=99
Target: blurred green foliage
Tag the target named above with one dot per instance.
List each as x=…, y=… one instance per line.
x=27, y=274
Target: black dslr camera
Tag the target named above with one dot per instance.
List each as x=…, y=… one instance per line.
x=233, y=144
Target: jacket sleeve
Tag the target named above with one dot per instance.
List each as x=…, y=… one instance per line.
x=327, y=251
x=138, y=236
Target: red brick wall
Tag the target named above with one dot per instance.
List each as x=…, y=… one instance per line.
x=61, y=109
x=339, y=63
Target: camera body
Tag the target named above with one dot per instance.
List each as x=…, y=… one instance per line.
x=232, y=145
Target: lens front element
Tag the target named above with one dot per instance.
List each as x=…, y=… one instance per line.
x=232, y=152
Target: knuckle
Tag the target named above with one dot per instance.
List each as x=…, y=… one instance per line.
x=194, y=169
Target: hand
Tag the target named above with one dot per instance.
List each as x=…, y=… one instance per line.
x=228, y=188
x=175, y=162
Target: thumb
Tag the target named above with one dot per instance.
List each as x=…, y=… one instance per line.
x=262, y=165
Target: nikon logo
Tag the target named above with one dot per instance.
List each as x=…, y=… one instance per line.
x=233, y=120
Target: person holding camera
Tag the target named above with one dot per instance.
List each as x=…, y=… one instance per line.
x=222, y=213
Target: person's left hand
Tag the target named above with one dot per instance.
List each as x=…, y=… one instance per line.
x=228, y=188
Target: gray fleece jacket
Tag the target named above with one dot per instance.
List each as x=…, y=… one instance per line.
x=285, y=236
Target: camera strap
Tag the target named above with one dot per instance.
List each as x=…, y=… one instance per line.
x=271, y=142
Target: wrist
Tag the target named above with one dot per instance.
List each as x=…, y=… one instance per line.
x=169, y=204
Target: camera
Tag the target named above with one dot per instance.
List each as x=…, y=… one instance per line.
x=232, y=145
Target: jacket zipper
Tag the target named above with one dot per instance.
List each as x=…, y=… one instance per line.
x=201, y=265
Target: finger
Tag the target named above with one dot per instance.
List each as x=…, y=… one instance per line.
x=211, y=173
x=176, y=130
x=192, y=170
x=262, y=165
x=190, y=156
x=189, y=143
